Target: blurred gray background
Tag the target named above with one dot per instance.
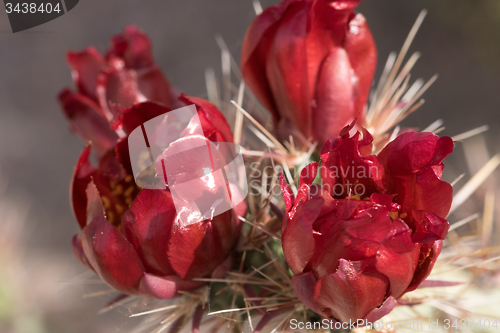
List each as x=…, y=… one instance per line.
x=460, y=40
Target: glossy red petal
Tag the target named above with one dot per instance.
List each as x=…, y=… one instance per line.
x=432, y=194
x=147, y=225
x=95, y=207
x=197, y=249
x=123, y=155
x=398, y=238
x=118, y=86
x=414, y=162
x=411, y=152
x=133, y=46
x=303, y=286
x=287, y=193
x=344, y=167
x=365, y=144
x=381, y=311
x=79, y=182
x=422, y=191
x=192, y=249
x=76, y=244
x=355, y=236
x=256, y=45
x=326, y=28
x=362, y=52
x=153, y=84
x=428, y=255
x=297, y=237
x=385, y=200
x=430, y=227
x=112, y=256
x=350, y=293
x=87, y=121
x=86, y=66
x=334, y=96
x=307, y=176
x=338, y=211
x=138, y=115
x=397, y=267
x=286, y=69
x=213, y=122
x=165, y=287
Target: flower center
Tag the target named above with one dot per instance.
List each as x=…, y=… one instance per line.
x=119, y=198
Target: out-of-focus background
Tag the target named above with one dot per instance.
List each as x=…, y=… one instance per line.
x=40, y=281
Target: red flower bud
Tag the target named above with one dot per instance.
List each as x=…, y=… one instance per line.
x=372, y=230
x=311, y=63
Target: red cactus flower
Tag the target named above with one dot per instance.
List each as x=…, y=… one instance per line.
x=109, y=84
x=132, y=238
x=373, y=229
x=311, y=63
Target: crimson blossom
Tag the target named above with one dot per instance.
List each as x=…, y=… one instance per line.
x=311, y=64
x=109, y=84
x=374, y=227
x=133, y=238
